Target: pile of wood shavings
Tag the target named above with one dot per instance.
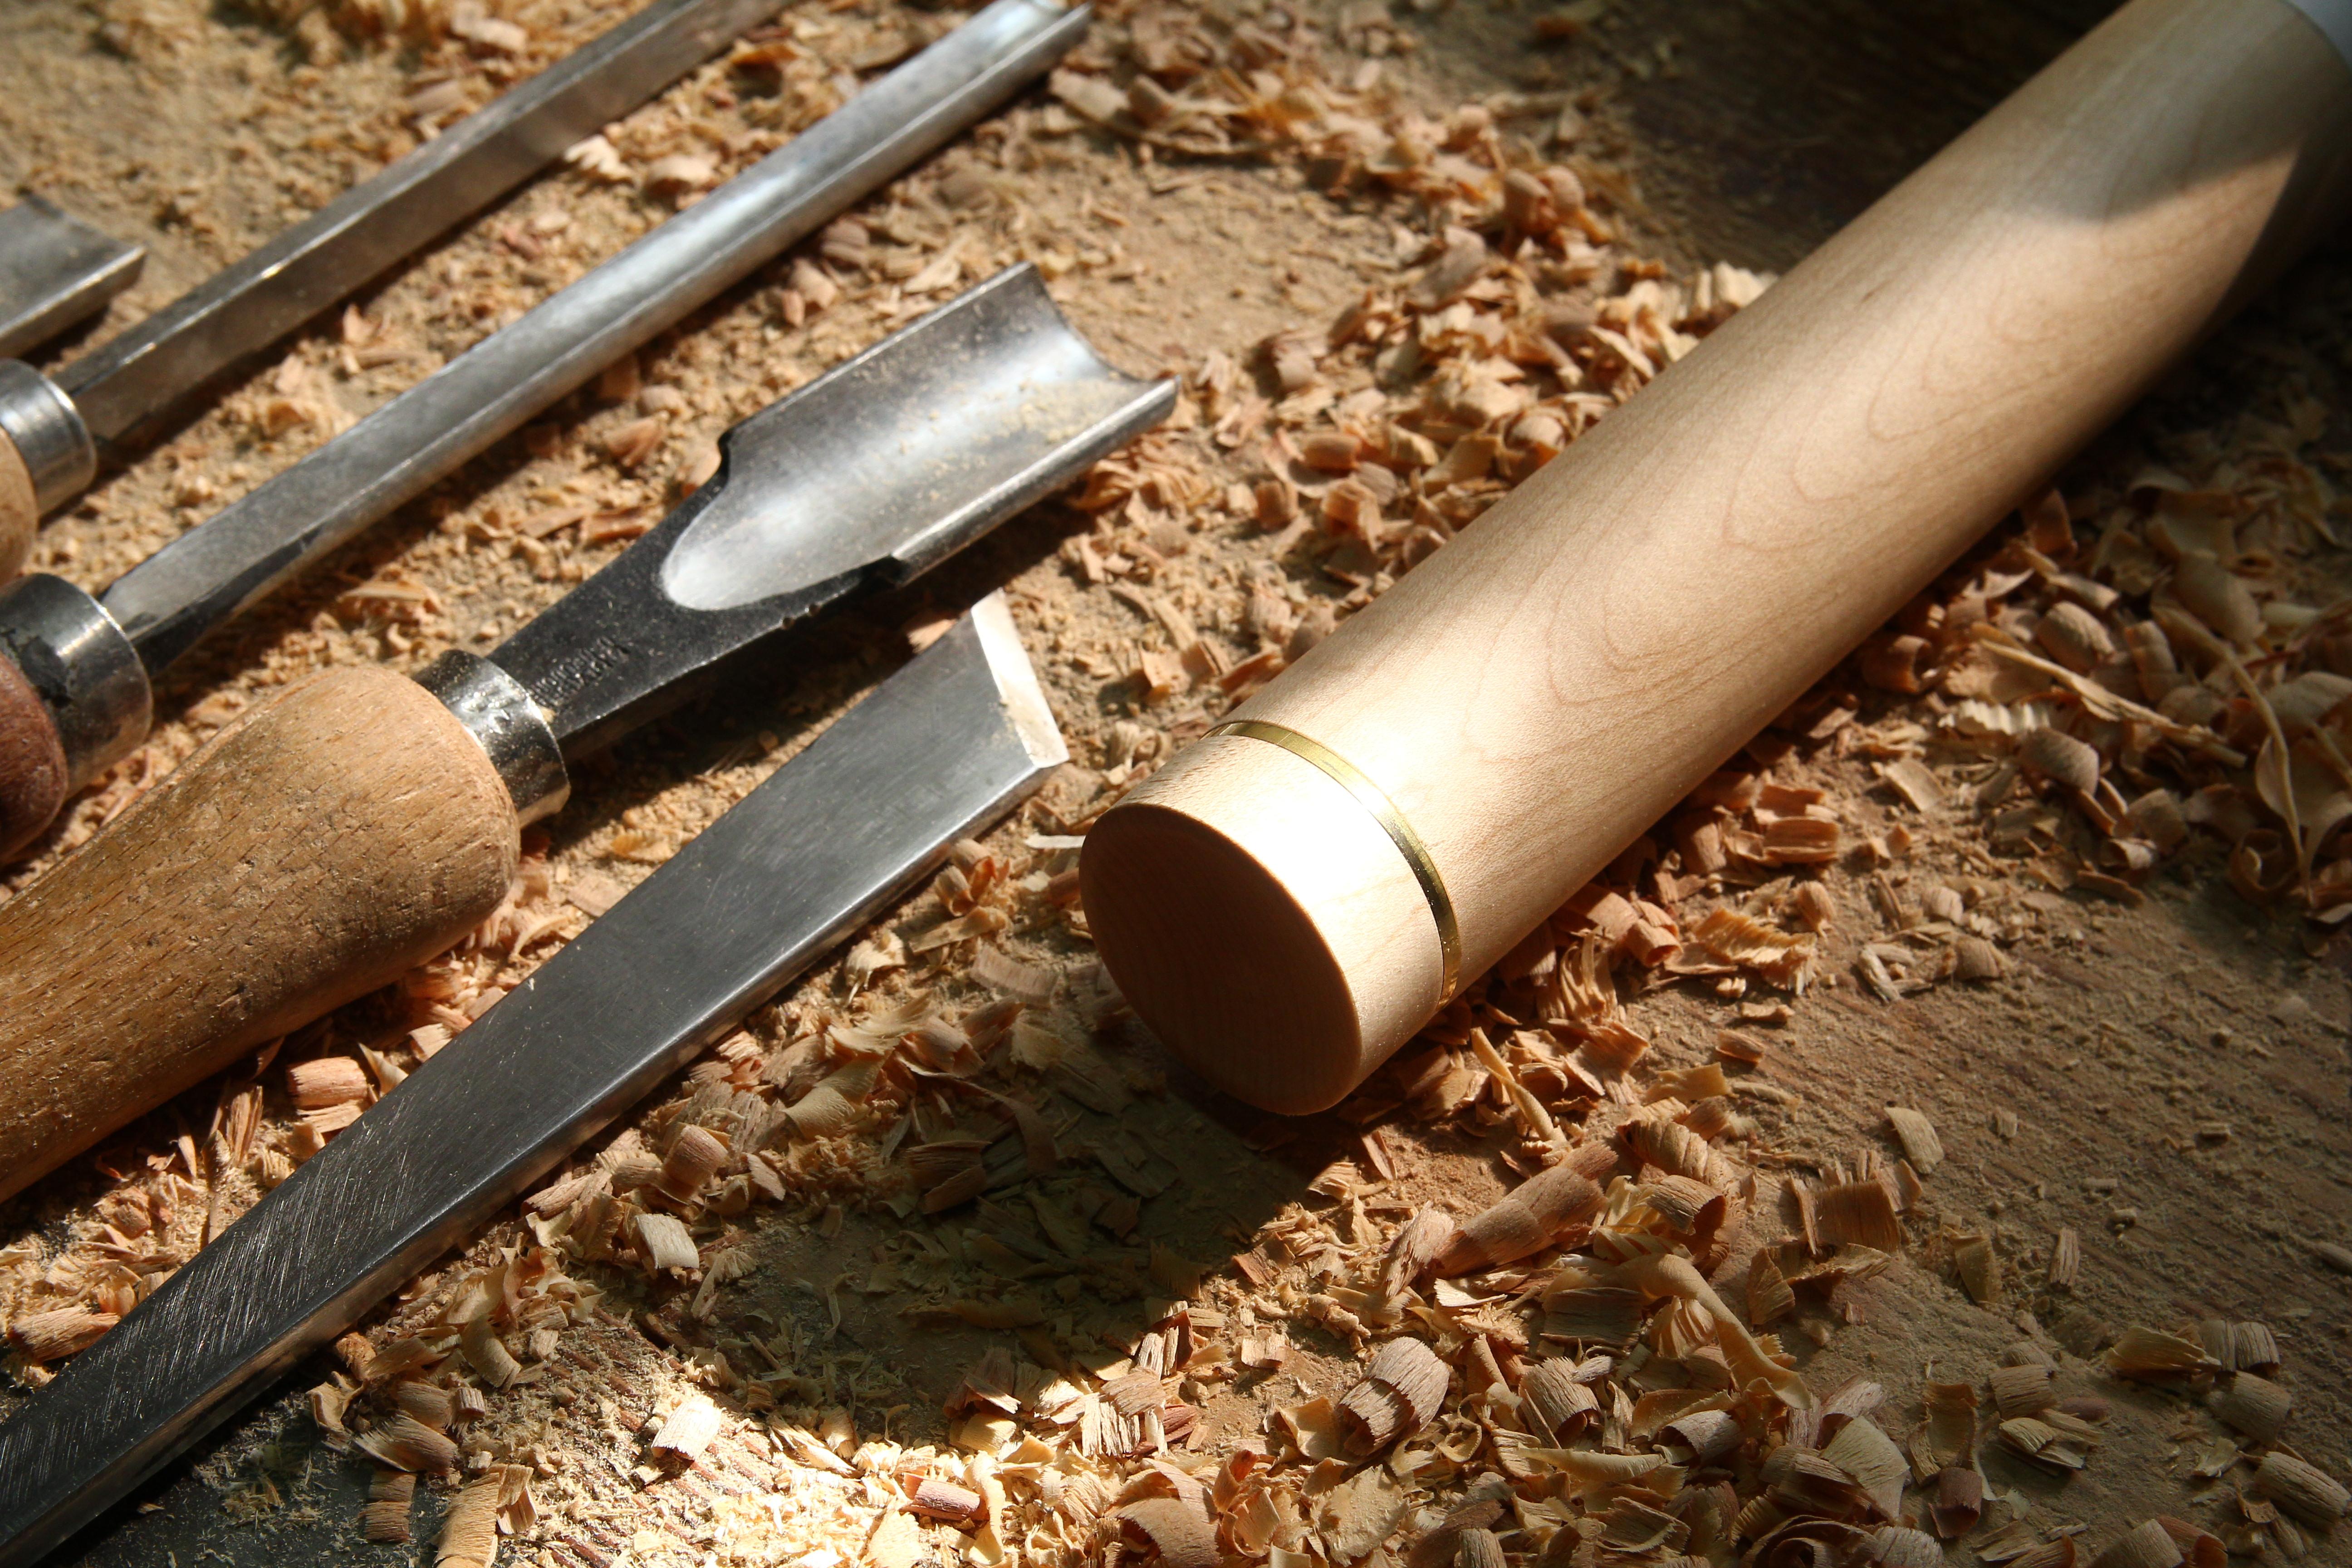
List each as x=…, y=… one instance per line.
x=1355, y=446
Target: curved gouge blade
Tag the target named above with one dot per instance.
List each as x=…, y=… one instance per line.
x=942, y=749
x=55, y=269
x=169, y=601
x=337, y=249
x=870, y=474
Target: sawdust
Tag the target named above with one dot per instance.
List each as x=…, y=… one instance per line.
x=868, y=1347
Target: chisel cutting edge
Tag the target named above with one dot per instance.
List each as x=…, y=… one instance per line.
x=940, y=750
x=55, y=269
x=336, y=837
x=73, y=685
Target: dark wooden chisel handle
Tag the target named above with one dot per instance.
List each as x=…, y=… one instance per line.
x=315, y=850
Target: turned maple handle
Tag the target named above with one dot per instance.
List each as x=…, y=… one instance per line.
x=313, y=851
x=1538, y=693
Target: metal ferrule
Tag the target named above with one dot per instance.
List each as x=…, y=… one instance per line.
x=86, y=671
x=513, y=728
x=42, y=423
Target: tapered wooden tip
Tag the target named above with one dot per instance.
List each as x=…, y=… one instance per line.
x=20, y=510
x=1262, y=924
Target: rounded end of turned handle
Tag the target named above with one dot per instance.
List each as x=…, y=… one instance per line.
x=33, y=777
x=1262, y=924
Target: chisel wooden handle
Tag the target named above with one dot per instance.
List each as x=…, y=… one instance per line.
x=1466, y=752
x=20, y=510
x=308, y=854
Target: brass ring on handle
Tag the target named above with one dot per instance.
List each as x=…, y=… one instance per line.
x=1383, y=810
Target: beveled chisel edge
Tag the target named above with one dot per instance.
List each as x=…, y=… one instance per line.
x=1025, y=707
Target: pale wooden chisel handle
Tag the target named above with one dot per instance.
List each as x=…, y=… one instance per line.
x=317, y=848
x=20, y=510
x=1496, y=728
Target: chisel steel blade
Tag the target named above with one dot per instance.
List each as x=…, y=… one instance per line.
x=171, y=599
x=55, y=269
x=870, y=474
x=940, y=750
x=332, y=253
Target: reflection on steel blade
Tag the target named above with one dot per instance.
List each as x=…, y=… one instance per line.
x=873, y=472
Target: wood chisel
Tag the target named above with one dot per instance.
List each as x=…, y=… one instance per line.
x=940, y=750
x=74, y=689
x=1297, y=892
x=54, y=428
x=340, y=836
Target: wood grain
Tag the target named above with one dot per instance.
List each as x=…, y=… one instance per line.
x=32, y=761
x=315, y=850
x=1542, y=690
x=20, y=510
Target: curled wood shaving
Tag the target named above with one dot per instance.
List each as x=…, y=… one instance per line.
x=2150, y=1355
x=1917, y=1136
x=687, y=1430
x=1959, y=1501
x=2105, y=704
x=1181, y=1530
x=2148, y=1546
x=2254, y=1406
x=1862, y=1212
x=1670, y=1275
x=2303, y=1489
x=1769, y=1296
x=1739, y=939
x=386, y=1519
x=1979, y=1268
x=1530, y=1216
x=665, y=1244
x=1417, y=1245
x=1397, y=1395
x=432, y=1406
x=469, y=1531
x=400, y=1442
x=487, y=1354
x=46, y=1336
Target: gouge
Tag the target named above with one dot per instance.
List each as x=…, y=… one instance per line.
x=55, y=270
x=1296, y=892
x=52, y=427
x=940, y=750
x=353, y=827
x=74, y=688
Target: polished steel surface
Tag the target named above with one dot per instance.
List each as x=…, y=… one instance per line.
x=42, y=424
x=357, y=236
x=511, y=728
x=86, y=671
x=939, y=751
x=207, y=575
x=55, y=269
x=865, y=476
